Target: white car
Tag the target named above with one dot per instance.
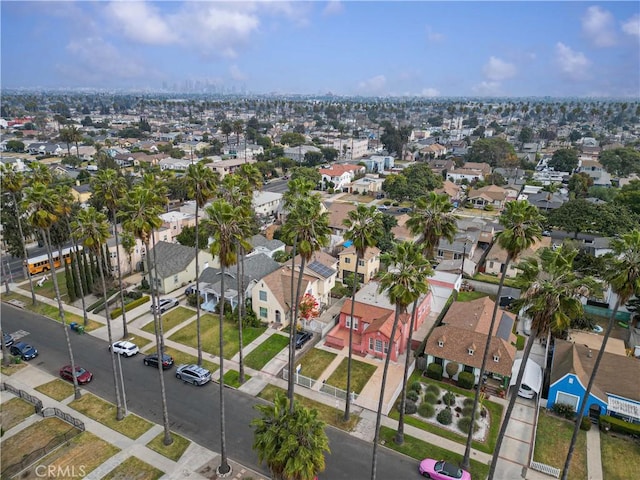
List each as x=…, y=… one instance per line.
x=166, y=304
x=128, y=349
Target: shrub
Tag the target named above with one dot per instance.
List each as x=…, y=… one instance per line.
x=129, y=306
x=564, y=410
x=421, y=362
x=431, y=398
x=467, y=402
x=466, y=380
x=134, y=294
x=416, y=387
x=452, y=369
x=466, y=411
x=449, y=398
x=426, y=410
x=434, y=371
x=444, y=417
x=410, y=407
x=585, y=424
x=621, y=426
x=413, y=395
x=465, y=422
x=431, y=388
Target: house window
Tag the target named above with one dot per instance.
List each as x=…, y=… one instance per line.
x=263, y=312
x=370, y=343
x=568, y=399
x=490, y=264
x=440, y=253
x=361, y=263
x=348, y=323
x=378, y=345
x=263, y=296
x=440, y=343
x=496, y=358
x=470, y=350
x=347, y=260
x=175, y=279
x=386, y=347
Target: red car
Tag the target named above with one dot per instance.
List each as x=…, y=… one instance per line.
x=83, y=376
x=441, y=470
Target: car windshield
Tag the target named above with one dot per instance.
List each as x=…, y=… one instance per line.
x=80, y=371
x=448, y=469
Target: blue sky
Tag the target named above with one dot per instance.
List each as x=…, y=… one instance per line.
x=423, y=48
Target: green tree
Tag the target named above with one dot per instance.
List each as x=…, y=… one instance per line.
x=522, y=228
x=623, y=275
x=15, y=146
x=564, y=160
x=495, y=151
x=525, y=135
x=364, y=228
x=238, y=128
x=579, y=184
x=291, y=443
x=575, y=216
x=433, y=219
x=629, y=196
x=91, y=227
x=403, y=282
x=293, y=139
x=551, y=298
x=621, y=162
x=70, y=135
x=306, y=173
x=226, y=128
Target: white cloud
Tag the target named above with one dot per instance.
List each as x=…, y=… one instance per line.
x=571, y=63
x=334, y=7
x=373, y=85
x=487, y=88
x=95, y=57
x=434, y=37
x=598, y=26
x=236, y=73
x=430, y=92
x=497, y=69
x=632, y=26
x=141, y=22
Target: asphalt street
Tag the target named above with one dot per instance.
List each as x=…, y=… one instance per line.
x=192, y=410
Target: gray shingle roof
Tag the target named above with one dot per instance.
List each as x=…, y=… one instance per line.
x=172, y=258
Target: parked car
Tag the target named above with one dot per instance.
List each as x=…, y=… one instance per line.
x=193, y=374
x=383, y=207
x=190, y=290
x=83, y=375
x=405, y=210
x=128, y=349
x=165, y=304
x=152, y=361
x=24, y=351
x=7, y=338
x=441, y=470
x=302, y=338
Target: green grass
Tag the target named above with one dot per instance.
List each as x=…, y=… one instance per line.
x=171, y=319
x=173, y=451
x=316, y=361
x=520, y=341
x=330, y=415
x=47, y=289
x=131, y=426
x=232, y=378
x=620, y=456
x=209, y=333
x=485, y=277
x=552, y=443
x=56, y=389
x=264, y=352
x=13, y=412
x=141, y=342
x=361, y=372
x=469, y=296
x=134, y=469
x=180, y=358
x=420, y=450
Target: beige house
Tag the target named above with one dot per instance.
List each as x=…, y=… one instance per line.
x=367, y=267
x=492, y=195
x=176, y=265
x=497, y=256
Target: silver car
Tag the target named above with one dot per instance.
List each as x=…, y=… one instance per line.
x=165, y=304
x=193, y=374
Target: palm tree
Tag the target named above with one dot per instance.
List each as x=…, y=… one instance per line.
x=41, y=204
x=201, y=183
x=92, y=228
x=139, y=213
x=225, y=221
x=551, y=300
x=226, y=128
x=365, y=227
x=404, y=282
x=433, y=219
x=291, y=444
x=14, y=182
x=309, y=224
x=110, y=188
x=238, y=127
x=623, y=274
x=522, y=228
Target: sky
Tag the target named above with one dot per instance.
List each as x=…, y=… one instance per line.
x=368, y=48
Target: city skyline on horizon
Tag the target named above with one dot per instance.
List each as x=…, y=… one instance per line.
x=381, y=49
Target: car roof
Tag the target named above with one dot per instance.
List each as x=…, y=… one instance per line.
x=21, y=344
x=195, y=368
x=125, y=344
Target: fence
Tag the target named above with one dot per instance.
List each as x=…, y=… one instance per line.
x=56, y=412
x=299, y=379
x=547, y=469
x=35, y=401
x=324, y=388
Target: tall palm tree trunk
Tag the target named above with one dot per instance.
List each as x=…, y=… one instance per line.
x=25, y=254
x=154, y=288
x=376, y=436
x=198, y=337
x=5, y=353
x=224, y=467
x=125, y=329
x=347, y=407
x=294, y=329
x=483, y=365
x=405, y=376
x=587, y=392
x=512, y=402
x=120, y=412
x=56, y=288
x=240, y=271
x=168, y=440
x=292, y=333
x=76, y=270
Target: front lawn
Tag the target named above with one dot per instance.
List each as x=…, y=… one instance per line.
x=620, y=456
x=315, y=361
x=552, y=444
x=469, y=296
x=264, y=352
x=171, y=319
x=232, y=378
x=56, y=389
x=361, y=372
x=134, y=469
x=209, y=333
x=13, y=412
x=173, y=451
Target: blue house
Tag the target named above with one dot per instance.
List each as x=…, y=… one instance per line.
x=615, y=390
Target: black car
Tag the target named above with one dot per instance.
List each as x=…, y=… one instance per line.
x=24, y=351
x=152, y=361
x=302, y=338
x=7, y=339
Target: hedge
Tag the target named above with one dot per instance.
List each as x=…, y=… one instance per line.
x=129, y=306
x=434, y=371
x=466, y=380
x=620, y=426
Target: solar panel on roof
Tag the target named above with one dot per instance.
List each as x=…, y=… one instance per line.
x=321, y=269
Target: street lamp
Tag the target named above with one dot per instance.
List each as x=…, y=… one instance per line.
x=464, y=254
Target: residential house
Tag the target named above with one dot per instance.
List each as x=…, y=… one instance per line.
x=453, y=191
x=351, y=148
x=267, y=204
x=595, y=170
x=175, y=164
x=497, y=256
x=338, y=212
x=176, y=221
x=225, y=167
x=433, y=151
x=615, y=390
x=50, y=149
x=261, y=245
x=471, y=172
x=378, y=163
x=462, y=337
x=491, y=195
x=297, y=153
x=367, y=267
x=81, y=193
x=340, y=175
x=176, y=265
x=368, y=185
x=401, y=232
